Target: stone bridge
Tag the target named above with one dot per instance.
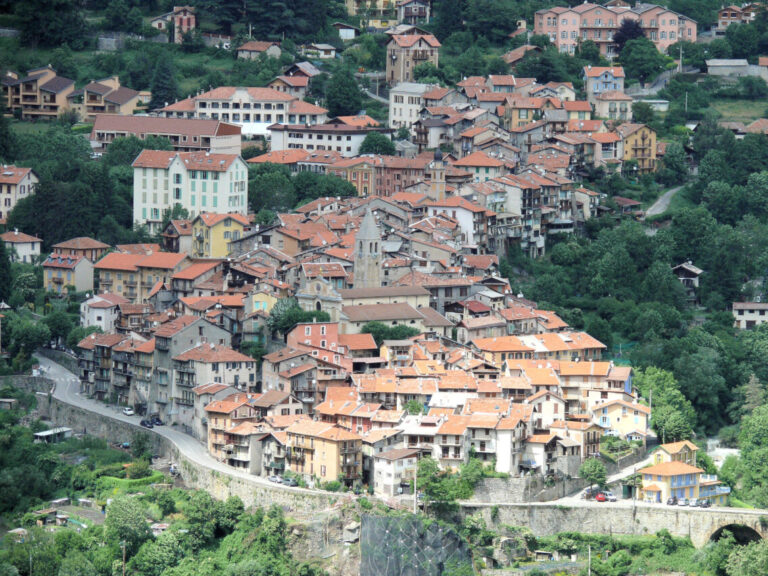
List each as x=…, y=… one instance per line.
x=701, y=525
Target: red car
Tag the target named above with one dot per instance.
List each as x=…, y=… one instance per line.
x=600, y=497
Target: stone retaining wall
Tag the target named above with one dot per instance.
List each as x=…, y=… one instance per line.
x=67, y=360
x=300, y=503
x=524, y=489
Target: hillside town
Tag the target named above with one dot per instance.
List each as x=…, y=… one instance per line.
x=494, y=264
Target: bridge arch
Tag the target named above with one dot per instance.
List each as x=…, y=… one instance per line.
x=741, y=532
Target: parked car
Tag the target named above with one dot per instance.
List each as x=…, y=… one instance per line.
x=128, y=411
x=705, y=504
x=600, y=497
x=694, y=503
x=682, y=502
x=672, y=501
x=146, y=424
x=589, y=493
x=609, y=496
x=290, y=482
x=156, y=421
x=275, y=479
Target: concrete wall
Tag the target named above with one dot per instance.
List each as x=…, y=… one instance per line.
x=68, y=361
x=525, y=489
x=547, y=520
x=300, y=503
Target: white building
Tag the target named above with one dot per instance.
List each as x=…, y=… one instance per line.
x=21, y=247
x=253, y=109
x=103, y=311
x=749, y=314
x=15, y=183
x=336, y=135
x=394, y=470
x=405, y=102
x=198, y=181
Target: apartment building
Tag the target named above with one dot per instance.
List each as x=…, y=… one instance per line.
x=15, y=183
x=252, y=109
x=200, y=182
x=223, y=416
x=104, y=96
x=602, y=79
x=89, y=248
x=405, y=52
x=566, y=27
x=59, y=272
x=184, y=134
x=322, y=451
x=733, y=14
x=213, y=233
x=639, y=144
x=406, y=99
x=335, y=135
x=40, y=95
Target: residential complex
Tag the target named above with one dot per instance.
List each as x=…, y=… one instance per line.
x=197, y=181
x=566, y=27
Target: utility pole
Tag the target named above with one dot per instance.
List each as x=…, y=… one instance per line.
x=589, y=561
x=415, y=489
x=123, y=545
x=680, y=65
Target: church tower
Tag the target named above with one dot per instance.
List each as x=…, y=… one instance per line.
x=437, y=188
x=368, y=254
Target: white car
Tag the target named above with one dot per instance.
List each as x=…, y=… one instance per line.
x=128, y=411
x=609, y=496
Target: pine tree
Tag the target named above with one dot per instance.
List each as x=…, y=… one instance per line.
x=449, y=18
x=7, y=137
x=165, y=89
x=5, y=273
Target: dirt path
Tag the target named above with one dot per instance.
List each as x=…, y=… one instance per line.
x=661, y=205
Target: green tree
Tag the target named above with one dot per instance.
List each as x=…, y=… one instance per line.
x=60, y=324
x=126, y=522
x=381, y=332
x=7, y=137
x=6, y=280
x=449, y=18
x=166, y=503
x=165, y=89
x=754, y=455
x=343, y=96
x=628, y=30
x=77, y=564
x=749, y=560
x=593, y=471
x=114, y=15
x=674, y=166
x=156, y=556
x=51, y=23
x=78, y=333
x=377, y=143
x=641, y=59
x=414, y=407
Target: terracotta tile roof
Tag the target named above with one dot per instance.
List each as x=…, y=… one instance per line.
x=627, y=129
x=486, y=406
x=501, y=344
x=192, y=160
x=406, y=41
x=605, y=137
x=196, y=270
x=597, y=71
x=63, y=262
x=210, y=388
x=296, y=370
x=11, y=174
x=454, y=425
x=388, y=416
x=357, y=341
x=258, y=46
x=161, y=260
x=509, y=423
x=174, y=326
x=147, y=347
x=671, y=469
x=302, y=107
x=281, y=157
x=398, y=454
x=479, y=158
x=186, y=105
x=619, y=402
x=107, y=123
x=359, y=121
x=651, y=488
x=282, y=421
x=80, y=243
x=211, y=219
x=541, y=438
x=210, y=353
x=613, y=95
x=106, y=340
x=227, y=406
x=584, y=368
x=295, y=81
x=578, y=106
x=585, y=125
x=436, y=93
x=15, y=237
x=675, y=447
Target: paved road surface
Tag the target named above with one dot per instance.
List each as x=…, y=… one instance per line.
x=661, y=205
x=68, y=390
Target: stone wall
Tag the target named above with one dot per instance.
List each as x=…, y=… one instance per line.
x=546, y=520
x=523, y=489
x=67, y=360
x=299, y=502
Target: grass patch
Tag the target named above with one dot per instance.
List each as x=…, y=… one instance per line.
x=116, y=485
x=740, y=110
x=734, y=502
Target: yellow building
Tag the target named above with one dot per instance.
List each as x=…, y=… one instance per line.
x=622, y=417
x=503, y=348
x=223, y=415
x=212, y=233
x=62, y=271
x=639, y=144
x=684, y=452
x=324, y=451
x=104, y=97
x=133, y=276
x=262, y=301
x=663, y=481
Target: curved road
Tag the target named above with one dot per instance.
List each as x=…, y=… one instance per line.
x=662, y=203
x=67, y=390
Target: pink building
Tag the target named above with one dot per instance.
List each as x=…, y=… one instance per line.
x=566, y=27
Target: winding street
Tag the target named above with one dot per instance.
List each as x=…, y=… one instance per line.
x=67, y=389
x=662, y=203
